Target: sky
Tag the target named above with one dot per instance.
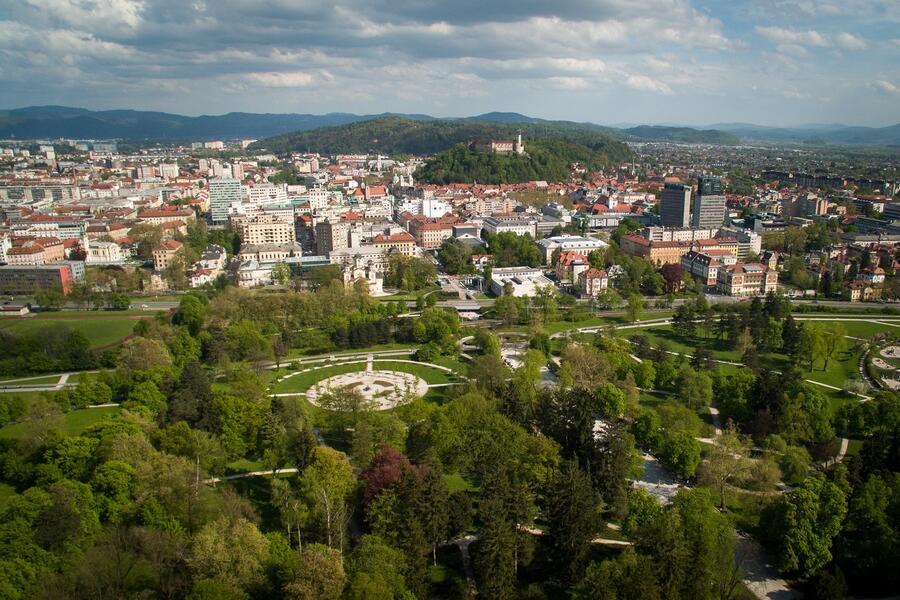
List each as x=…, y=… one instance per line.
x=693, y=62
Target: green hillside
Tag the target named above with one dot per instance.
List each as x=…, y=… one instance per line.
x=686, y=135
x=546, y=160
x=397, y=135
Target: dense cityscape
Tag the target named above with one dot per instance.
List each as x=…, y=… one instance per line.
x=390, y=355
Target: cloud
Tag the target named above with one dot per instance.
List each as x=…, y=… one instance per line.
x=283, y=80
x=646, y=84
x=782, y=35
x=848, y=41
x=885, y=87
x=449, y=57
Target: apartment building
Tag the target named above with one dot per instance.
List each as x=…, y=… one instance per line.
x=36, y=251
x=332, y=235
x=401, y=243
x=165, y=253
x=516, y=224
x=263, y=228
x=592, y=282
x=164, y=216
x=19, y=279
x=746, y=279
x=704, y=266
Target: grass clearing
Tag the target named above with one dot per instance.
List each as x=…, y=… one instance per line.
x=100, y=328
x=30, y=381
x=72, y=423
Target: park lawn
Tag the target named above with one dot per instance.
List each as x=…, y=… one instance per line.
x=101, y=329
x=854, y=447
x=300, y=353
x=865, y=330
x=74, y=422
x=244, y=465
x=457, y=483
x=744, y=509
x=29, y=381
x=841, y=369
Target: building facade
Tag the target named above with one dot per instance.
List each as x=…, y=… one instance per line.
x=675, y=206
x=709, y=203
x=223, y=191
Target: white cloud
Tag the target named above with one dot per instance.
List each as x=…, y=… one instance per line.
x=886, y=87
x=646, y=84
x=782, y=35
x=569, y=83
x=281, y=80
x=848, y=41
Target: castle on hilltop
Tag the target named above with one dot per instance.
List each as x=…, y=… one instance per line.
x=515, y=146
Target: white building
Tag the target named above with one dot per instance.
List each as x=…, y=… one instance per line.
x=266, y=193
x=104, y=253
x=524, y=280
x=567, y=243
x=515, y=224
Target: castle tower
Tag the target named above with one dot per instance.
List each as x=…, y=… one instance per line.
x=518, y=147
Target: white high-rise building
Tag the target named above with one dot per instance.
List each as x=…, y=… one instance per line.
x=266, y=193
x=223, y=191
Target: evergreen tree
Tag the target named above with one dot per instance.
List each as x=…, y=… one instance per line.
x=572, y=514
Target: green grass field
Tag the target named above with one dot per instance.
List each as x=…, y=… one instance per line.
x=101, y=328
x=72, y=423
x=303, y=381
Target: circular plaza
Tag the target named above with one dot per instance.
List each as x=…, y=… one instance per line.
x=383, y=390
x=383, y=383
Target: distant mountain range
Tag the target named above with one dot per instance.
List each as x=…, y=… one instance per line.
x=815, y=134
x=37, y=122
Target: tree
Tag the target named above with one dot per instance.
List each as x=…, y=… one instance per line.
x=50, y=299
x=454, y=256
x=506, y=308
x=695, y=388
x=629, y=575
x=573, y=517
x=681, y=454
x=811, y=343
x=869, y=545
x=834, y=341
x=232, y=550
x=434, y=506
x=635, y=307
x=141, y=354
x=726, y=462
x=376, y=571
x=327, y=483
x=802, y=525
x=281, y=273
x=317, y=573
x=410, y=273
x=673, y=274
x=495, y=560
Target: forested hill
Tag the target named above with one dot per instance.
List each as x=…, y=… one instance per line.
x=687, y=135
x=546, y=160
x=397, y=135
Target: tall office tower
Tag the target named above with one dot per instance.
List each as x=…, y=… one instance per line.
x=675, y=210
x=223, y=191
x=709, y=204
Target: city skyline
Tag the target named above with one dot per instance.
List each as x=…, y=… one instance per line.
x=769, y=62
